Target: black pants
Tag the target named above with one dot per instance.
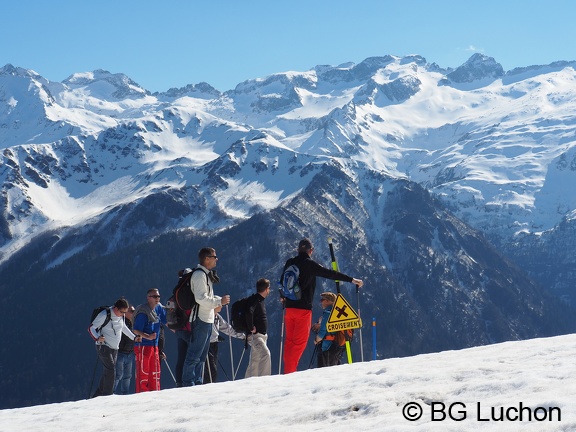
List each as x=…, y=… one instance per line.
x=108, y=358
x=330, y=357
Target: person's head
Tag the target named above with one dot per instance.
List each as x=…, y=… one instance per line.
x=121, y=306
x=263, y=287
x=207, y=257
x=327, y=299
x=305, y=246
x=153, y=297
x=130, y=312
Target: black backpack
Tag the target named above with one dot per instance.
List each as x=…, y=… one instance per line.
x=238, y=315
x=95, y=313
x=182, y=302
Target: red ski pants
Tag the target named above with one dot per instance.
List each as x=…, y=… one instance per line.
x=298, y=324
x=147, y=368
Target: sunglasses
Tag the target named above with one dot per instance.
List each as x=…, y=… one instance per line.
x=154, y=296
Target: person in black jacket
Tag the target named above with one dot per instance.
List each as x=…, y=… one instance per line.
x=260, y=363
x=298, y=317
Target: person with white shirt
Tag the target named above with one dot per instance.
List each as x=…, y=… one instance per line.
x=203, y=290
x=107, y=339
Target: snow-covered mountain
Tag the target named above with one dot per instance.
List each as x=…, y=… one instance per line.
x=448, y=190
x=497, y=146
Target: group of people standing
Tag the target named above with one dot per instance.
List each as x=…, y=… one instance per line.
x=139, y=329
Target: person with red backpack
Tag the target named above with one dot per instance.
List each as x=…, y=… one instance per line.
x=298, y=314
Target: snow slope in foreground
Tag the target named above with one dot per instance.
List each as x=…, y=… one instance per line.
x=533, y=381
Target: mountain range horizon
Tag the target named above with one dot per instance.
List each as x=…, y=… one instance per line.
x=448, y=189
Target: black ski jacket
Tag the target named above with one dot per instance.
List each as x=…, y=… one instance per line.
x=256, y=314
x=126, y=344
x=309, y=270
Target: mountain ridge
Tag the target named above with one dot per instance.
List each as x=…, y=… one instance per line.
x=319, y=112
x=446, y=190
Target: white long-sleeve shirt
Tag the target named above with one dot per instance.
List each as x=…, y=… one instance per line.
x=112, y=331
x=201, y=286
x=220, y=325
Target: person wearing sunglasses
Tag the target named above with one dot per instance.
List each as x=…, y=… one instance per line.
x=329, y=351
x=107, y=330
x=125, y=359
x=202, y=286
x=148, y=318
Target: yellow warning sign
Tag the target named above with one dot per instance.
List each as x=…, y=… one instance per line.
x=343, y=316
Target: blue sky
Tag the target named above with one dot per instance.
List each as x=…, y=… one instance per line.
x=171, y=43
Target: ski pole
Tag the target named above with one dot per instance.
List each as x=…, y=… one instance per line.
x=374, y=338
x=314, y=354
x=207, y=366
x=240, y=362
x=93, y=376
x=169, y=370
x=281, y=337
x=230, y=340
x=223, y=370
x=361, y=345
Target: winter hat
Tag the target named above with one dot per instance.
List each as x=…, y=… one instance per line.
x=331, y=297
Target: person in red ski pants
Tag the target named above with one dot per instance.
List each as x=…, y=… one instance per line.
x=148, y=318
x=298, y=317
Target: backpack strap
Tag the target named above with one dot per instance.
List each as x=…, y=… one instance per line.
x=207, y=284
x=206, y=274
x=106, y=321
x=194, y=311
